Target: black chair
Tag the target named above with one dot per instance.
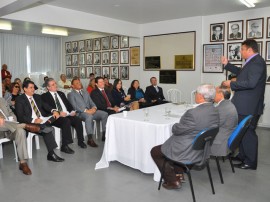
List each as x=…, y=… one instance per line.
x=202, y=141
x=233, y=143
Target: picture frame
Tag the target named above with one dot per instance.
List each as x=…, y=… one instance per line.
x=114, y=57
x=88, y=45
x=69, y=72
x=74, y=46
x=106, y=72
x=68, y=60
x=254, y=28
x=74, y=60
x=212, y=54
x=114, y=42
x=134, y=56
x=82, y=72
x=89, y=70
x=235, y=30
x=184, y=62
x=114, y=72
x=96, y=58
x=89, y=58
x=268, y=28
x=82, y=59
x=268, y=75
x=124, y=73
x=76, y=72
x=97, y=44
x=217, y=32
x=81, y=46
x=97, y=71
x=105, y=58
x=124, y=56
x=228, y=72
x=105, y=43
x=152, y=62
x=68, y=48
x=267, y=51
x=233, y=51
x=124, y=42
x=167, y=76
x=260, y=46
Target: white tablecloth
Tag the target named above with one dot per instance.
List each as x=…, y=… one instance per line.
x=130, y=139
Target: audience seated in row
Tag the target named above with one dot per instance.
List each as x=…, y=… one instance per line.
x=63, y=82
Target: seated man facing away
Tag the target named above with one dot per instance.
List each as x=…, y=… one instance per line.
x=154, y=93
x=29, y=109
x=179, y=146
x=63, y=83
x=87, y=110
x=228, y=120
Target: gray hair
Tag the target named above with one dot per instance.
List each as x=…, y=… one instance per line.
x=208, y=92
x=47, y=81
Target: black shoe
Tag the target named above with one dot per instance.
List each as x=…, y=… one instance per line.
x=103, y=138
x=244, y=166
x=67, y=149
x=236, y=158
x=82, y=145
x=54, y=157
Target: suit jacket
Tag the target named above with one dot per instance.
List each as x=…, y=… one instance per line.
x=257, y=34
x=48, y=98
x=237, y=36
x=152, y=94
x=80, y=103
x=228, y=120
x=250, y=86
x=220, y=37
x=100, y=101
x=7, y=112
x=179, y=146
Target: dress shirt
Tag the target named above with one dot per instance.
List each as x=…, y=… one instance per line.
x=60, y=100
x=61, y=84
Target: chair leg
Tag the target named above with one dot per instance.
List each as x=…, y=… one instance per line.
x=230, y=159
x=29, y=145
x=191, y=185
x=219, y=170
x=162, y=174
x=210, y=176
x=15, y=150
x=1, y=151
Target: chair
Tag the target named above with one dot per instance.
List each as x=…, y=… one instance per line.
x=84, y=131
x=192, y=97
x=174, y=95
x=233, y=143
x=96, y=129
x=57, y=136
x=202, y=141
x=3, y=140
x=30, y=144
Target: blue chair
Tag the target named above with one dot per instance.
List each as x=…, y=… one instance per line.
x=202, y=141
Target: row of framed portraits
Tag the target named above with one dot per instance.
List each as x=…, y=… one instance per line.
x=97, y=44
x=212, y=54
x=254, y=29
x=111, y=72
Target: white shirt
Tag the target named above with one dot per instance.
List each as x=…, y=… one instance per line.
x=61, y=84
x=60, y=100
x=34, y=116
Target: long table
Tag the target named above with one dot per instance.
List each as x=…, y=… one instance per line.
x=130, y=139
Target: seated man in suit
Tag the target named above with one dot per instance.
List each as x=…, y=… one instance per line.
x=154, y=93
x=179, y=146
x=87, y=110
x=103, y=98
x=228, y=120
x=57, y=100
x=29, y=109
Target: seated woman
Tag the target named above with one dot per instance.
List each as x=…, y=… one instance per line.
x=120, y=98
x=137, y=94
x=91, y=86
x=10, y=97
x=17, y=80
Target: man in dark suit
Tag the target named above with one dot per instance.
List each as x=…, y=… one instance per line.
x=179, y=146
x=235, y=32
x=154, y=93
x=248, y=98
x=57, y=100
x=103, y=98
x=29, y=109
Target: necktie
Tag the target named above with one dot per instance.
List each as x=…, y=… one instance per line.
x=58, y=105
x=156, y=89
x=80, y=93
x=106, y=98
x=35, y=107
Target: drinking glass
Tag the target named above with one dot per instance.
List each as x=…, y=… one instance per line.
x=146, y=114
x=167, y=112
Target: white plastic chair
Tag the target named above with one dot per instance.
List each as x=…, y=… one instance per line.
x=30, y=143
x=174, y=95
x=84, y=131
x=3, y=140
x=57, y=136
x=95, y=127
x=192, y=97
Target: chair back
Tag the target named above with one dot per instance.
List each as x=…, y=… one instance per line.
x=238, y=133
x=192, y=97
x=174, y=95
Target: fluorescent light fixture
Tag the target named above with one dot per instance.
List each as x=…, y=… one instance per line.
x=54, y=31
x=248, y=3
x=5, y=25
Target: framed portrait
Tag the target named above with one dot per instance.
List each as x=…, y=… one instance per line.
x=105, y=43
x=124, y=72
x=105, y=58
x=106, y=72
x=114, y=72
x=217, y=32
x=89, y=58
x=89, y=70
x=69, y=73
x=230, y=75
x=134, y=56
x=74, y=60
x=68, y=47
x=88, y=45
x=260, y=44
x=235, y=30
x=267, y=51
x=97, y=44
x=233, y=52
x=114, y=57
x=124, y=42
x=114, y=42
x=212, y=54
x=82, y=59
x=82, y=73
x=74, y=46
x=124, y=54
x=268, y=28
x=268, y=74
x=76, y=71
x=81, y=46
x=68, y=60
x=255, y=28
x=97, y=58
x=97, y=71
x=152, y=62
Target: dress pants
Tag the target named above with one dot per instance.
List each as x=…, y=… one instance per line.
x=65, y=125
x=248, y=149
x=48, y=135
x=76, y=123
